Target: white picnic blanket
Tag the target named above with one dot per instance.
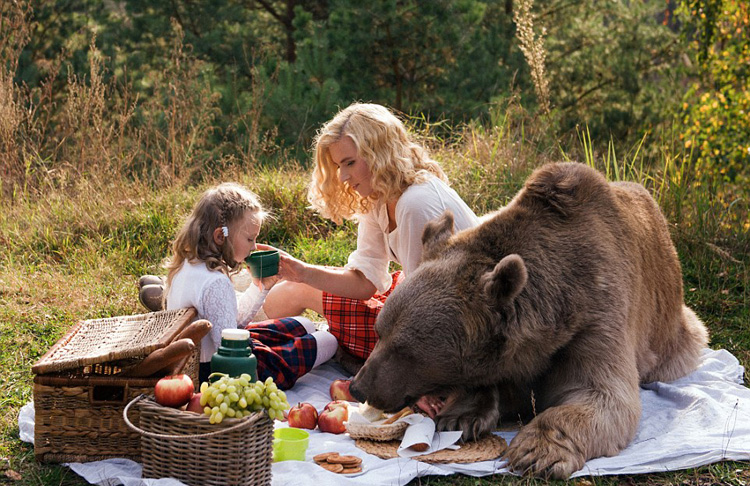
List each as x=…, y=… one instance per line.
x=696, y=420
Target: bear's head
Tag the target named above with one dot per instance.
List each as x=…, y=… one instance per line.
x=453, y=312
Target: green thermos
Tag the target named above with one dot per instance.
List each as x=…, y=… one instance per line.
x=235, y=355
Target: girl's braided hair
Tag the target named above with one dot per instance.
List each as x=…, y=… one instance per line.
x=218, y=207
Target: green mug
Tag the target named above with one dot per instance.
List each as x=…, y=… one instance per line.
x=263, y=263
x=290, y=444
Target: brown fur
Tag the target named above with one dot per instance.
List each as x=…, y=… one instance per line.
x=555, y=308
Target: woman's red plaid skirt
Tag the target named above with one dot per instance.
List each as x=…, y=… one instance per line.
x=352, y=321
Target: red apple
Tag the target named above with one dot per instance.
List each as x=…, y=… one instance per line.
x=303, y=416
x=174, y=390
x=337, y=404
x=332, y=420
x=340, y=390
x=194, y=405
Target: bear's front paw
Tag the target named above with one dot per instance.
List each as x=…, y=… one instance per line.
x=544, y=451
x=475, y=413
x=473, y=426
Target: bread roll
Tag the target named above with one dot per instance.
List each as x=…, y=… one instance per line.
x=402, y=413
x=370, y=413
x=420, y=446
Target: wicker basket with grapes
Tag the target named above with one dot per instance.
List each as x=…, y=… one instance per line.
x=237, y=422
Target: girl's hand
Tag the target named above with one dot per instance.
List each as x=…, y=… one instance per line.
x=267, y=282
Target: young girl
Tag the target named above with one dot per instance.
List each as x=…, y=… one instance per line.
x=366, y=168
x=215, y=239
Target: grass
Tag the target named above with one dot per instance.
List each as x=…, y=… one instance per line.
x=90, y=202
x=75, y=252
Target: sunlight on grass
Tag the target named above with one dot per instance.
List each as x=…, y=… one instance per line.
x=77, y=252
x=75, y=244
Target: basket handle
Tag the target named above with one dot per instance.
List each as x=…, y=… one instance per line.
x=243, y=424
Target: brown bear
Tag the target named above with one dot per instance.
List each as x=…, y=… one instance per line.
x=553, y=309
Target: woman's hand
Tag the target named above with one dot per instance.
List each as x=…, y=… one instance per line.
x=334, y=280
x=290, y=268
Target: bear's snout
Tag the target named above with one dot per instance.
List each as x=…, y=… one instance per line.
x=361, y=385
x=355, y=390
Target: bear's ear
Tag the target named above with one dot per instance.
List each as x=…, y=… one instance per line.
x=435, y=235
x=504, y=282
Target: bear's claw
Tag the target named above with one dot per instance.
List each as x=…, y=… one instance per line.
x=474, y=412
x=550, y=454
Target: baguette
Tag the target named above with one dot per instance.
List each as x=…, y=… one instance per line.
x=196, y=331
x=402, y=413
x=161, y=358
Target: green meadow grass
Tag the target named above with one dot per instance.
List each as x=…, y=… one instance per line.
x=74, y=251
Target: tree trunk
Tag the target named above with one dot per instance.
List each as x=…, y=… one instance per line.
x=291, y=47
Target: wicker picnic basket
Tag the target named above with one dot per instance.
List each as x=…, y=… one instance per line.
x=185, y=446
x=80, y=389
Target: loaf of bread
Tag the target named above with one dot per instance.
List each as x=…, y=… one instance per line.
x=162, y=358
x=196, y=331
x=370, y=413
x=402, y=413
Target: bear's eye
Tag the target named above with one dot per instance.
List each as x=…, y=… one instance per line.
x=409, y=352
x=384, y=323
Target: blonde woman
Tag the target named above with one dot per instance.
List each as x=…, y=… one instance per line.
x=368, y=169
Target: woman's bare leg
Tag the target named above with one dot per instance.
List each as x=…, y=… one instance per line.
x=287, y=299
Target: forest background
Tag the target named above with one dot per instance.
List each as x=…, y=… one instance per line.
x=115, y=115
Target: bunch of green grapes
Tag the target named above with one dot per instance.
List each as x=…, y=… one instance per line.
x=238, y=397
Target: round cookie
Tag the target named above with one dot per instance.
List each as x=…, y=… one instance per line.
x=345, y=460
x=324, y=456
x=336, y=468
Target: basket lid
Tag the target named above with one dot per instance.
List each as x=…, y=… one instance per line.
x=96, y=341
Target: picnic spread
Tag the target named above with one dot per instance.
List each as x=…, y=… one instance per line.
x=696, y=420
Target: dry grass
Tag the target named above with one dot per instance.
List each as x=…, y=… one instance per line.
x=532, y=46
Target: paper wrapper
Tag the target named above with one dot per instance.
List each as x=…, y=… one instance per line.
x=421, y=430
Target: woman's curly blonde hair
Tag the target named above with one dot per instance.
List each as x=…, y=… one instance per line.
x=395, y=161
x=219, y=206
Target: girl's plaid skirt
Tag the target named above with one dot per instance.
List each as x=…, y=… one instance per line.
x=284, y=350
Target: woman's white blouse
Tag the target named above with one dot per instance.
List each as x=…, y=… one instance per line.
x=420, y=203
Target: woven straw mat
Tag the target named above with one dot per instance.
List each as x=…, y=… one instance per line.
x=115, y=338
x=484, y=449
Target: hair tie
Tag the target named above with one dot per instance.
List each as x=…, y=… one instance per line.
x=225, y=230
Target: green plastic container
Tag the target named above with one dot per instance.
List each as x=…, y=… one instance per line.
x=235, y=355
x=263, y=263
